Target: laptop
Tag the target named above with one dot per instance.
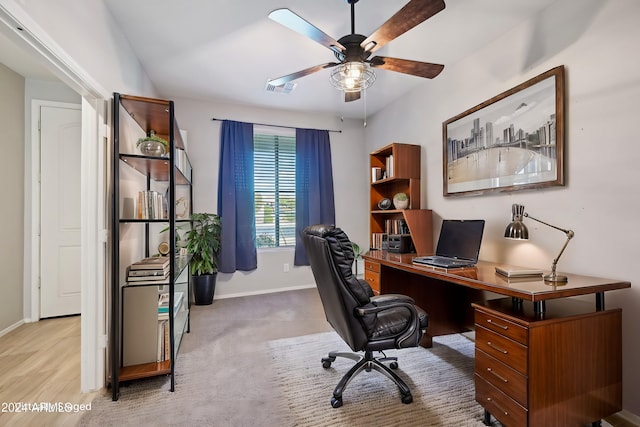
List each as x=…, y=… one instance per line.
x=458, y=244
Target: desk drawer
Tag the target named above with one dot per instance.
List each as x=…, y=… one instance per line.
x=502, y=326
x=507, y=351
x=509, y=381
x=373, y=279
x=371, y=266
x=503, y=408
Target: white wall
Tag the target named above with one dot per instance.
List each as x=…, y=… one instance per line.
x=349, y=159
x=11, y=173
x=85, y=32
x=597, y=42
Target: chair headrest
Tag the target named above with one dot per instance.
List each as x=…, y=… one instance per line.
x=322, y=230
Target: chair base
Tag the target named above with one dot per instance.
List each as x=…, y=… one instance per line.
x=366, y=362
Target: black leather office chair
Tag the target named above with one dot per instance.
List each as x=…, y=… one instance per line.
x=367, y=323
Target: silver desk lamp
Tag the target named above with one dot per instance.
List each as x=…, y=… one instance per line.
x=517, y=230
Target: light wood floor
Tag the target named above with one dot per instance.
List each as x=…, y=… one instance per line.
x=40, y=362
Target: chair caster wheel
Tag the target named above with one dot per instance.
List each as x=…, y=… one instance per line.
x=326, y=362
x=407, y=398
x=393, y=365
x=336, y=402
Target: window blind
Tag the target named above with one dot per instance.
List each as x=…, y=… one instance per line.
x=275, y=189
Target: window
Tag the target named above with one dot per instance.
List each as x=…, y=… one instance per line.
x=275, y=187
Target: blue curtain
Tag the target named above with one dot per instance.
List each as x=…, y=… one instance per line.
x=236, y=199
x=314, y=185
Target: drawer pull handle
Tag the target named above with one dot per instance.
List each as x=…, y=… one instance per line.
x=500, y=377
x=495, y=347
x=498, y=325
x=497, y=406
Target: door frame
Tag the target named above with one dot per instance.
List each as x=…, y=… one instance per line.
x=29, y=36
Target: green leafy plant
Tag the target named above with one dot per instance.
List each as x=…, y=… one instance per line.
x=357, y=254
x=203, y=243
x=400, y=196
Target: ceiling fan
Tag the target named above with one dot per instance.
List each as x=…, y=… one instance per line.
x=353, y=74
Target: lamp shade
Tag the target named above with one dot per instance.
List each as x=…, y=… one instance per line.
x=516, y=230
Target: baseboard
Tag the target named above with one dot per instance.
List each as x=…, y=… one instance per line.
x=628, y=417
x=12, y=327
x=265, y=291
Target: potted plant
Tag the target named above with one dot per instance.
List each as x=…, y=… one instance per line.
x=153, y=145
x=203, y=243
x=357, y=254
x=401, y=201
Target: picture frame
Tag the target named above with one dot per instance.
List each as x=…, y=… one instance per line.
x=513, y=141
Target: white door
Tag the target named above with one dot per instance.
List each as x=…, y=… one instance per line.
x=60, y=143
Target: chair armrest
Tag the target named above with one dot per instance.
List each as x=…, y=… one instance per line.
x=379, y=300
x=372, y=309
x=413, y=331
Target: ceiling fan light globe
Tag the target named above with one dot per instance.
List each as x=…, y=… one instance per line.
x=352, y=76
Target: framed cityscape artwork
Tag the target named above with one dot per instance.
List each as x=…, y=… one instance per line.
x=514, y=141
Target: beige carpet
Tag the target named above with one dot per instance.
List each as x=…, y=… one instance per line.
x=440, y=379
x=284, y=384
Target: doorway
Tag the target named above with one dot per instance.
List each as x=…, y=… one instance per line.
x=15, y=24
x=59, y=144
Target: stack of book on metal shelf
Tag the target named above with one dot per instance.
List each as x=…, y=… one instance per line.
x=153, y=270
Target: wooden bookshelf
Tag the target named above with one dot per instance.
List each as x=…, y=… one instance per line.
x=400, y=168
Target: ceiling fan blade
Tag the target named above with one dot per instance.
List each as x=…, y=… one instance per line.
x=293, y=76
x=413, y=13
x=414, y=68
x=296, y=23
x=351, y=96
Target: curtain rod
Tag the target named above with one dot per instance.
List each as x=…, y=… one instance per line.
x=281, y=126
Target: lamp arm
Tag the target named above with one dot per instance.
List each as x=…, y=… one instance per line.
x=568, y=233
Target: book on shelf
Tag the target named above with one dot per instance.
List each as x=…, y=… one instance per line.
x=162, y=277
x=148, y=273
x=379, y=241
x=376, y=174
x=389, y=166
x=396, y=226
x=151, y=205
x=151, y=263
x=158, y=281
x=164, y=346
x=163, y=303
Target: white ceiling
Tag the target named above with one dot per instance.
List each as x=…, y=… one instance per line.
x=227, y=49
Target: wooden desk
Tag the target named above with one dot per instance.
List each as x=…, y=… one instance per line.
x=542, y=359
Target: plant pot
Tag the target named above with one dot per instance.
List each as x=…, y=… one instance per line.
x=401, y=204
x=152, y=148
x=204, y=287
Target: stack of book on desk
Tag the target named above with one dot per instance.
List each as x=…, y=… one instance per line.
x=153, y=270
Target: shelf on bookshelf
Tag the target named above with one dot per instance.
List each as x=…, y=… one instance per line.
x=145, y=370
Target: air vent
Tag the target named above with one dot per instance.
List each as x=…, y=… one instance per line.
x=284, y=88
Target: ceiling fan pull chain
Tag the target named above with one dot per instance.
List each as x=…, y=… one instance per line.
x=364, y=99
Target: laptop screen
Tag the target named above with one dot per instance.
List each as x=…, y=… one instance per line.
x=460, y=238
